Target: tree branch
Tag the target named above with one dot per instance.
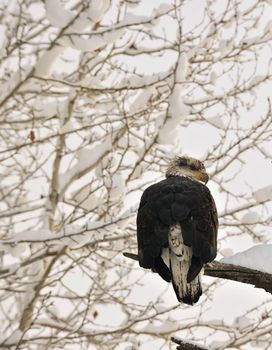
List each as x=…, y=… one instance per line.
x=28, y=311
x=184, y=345
x=240, y=274
x=232, y=272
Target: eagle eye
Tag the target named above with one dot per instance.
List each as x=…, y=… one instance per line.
x=193, y=166
x=182, y=162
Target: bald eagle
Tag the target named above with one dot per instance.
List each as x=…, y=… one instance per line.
x=177, y=227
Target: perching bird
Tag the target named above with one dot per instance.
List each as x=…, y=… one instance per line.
x=177, y=227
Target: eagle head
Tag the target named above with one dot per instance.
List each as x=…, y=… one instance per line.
x=187, y=166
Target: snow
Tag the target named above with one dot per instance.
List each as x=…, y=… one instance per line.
x=9, y=268
x=268, y=27
x=57, y=15
x=138, y=81
x=129, y=347
x=117, y=187
x=162, y=9
x=141, y=100
x=13, y=339
x=263, y=194
x=166, y=326
x=35, y=272
x=3, y=40
x=98, y=149
x=258, y=258
x=40, y=236
x=182, y=68
x=94, y=40
x=97, y=9
x=226, y=252
x=68, y=127
x=45, y=65
x=106, y=163
x=37, y=11
x=29, y=236
x=213, y=77
x=177, y=108
x=257, y=79
x=133, y=142
x=131, y=18
x=91, y=82
x=9, y=85
x=51, y=107
x=169, y=132
x=77, y=241
x=91, y=225
x=89, y=200
x=83, y=22
x=225, y=46
x=72, y=235
x=84, y=154
x=251, y=40
x=242, y=322
x=217, y=121
x=218, y=344
x=251, y=217
x=18, y=249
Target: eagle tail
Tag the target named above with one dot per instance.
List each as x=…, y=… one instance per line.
x=188, y=293
x=187, y=290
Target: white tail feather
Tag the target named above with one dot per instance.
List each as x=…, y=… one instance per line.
x=179, y=261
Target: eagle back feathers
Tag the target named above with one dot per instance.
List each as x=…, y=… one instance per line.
x=188, y=203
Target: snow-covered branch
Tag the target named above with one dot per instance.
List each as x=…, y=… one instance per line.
x=234, y=272
x=240, y=274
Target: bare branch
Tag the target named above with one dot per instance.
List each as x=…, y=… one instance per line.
x=185, y=345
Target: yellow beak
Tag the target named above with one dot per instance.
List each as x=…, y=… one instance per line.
x=202, y=176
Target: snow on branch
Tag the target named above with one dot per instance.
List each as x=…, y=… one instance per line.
x=240, y=274
x=73, y=236
x=232, y=272
x=258, y=257
x=97, y=153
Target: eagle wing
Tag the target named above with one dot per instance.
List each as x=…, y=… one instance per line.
x=177, y=200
